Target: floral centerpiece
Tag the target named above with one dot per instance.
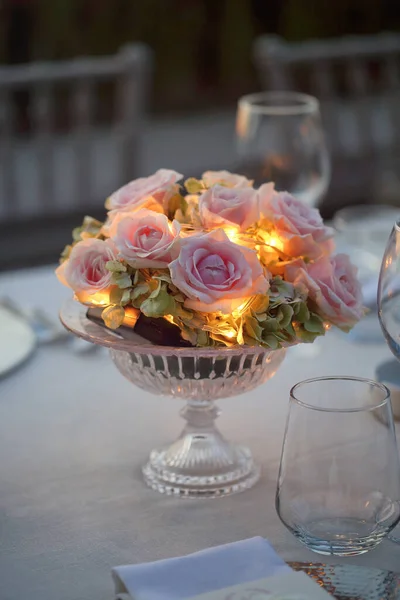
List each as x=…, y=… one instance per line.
x=224, y=262
x=229, y=276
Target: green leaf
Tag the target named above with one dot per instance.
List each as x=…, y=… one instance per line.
x=126, y=297
x=303, y=335
x=174, y=204
x=91, y=225
x=113, y=316
x=122, y=280
x=76, y=234
x=202, y=338
x=284, y=315
x=184, y=206
x=290, y=329
x=193, y=186
x=140, y=290
x=182, y=312
x=260, y=304
x=250, y=341
x=271, y=341
x=179, y=298
x=136, y=277
x=315, y=325
x=116, y=295
x=115, y=266
x=159, y=306
x=163, y=277
x=156, y=291
x=270, y=325
x=302, y=313
x=253, y=328
x=190, y=335
x=282, y=291
x=261, y=317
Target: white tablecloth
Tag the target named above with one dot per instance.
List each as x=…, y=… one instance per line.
x=73, y=435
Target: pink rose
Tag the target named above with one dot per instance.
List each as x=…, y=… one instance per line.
x=299, y=227
x=85, y=270
x=236, y=207
x=146, y=239
x=145, y=192
x=225, y=178
x=333, y=286
x=215, y=274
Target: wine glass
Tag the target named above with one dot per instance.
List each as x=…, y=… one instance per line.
x=389, y=303
x=280, y=139
x=339, y=480
x=389, y=292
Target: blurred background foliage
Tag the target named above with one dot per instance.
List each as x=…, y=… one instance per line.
x=202, y=48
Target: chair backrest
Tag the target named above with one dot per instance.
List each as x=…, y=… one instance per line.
x=70, y=159
x=357, y=79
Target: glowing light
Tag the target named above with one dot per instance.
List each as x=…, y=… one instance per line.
x=231, y=333
x=97, y=299
x=270, y=239
x=240, y=309
x=232, y=234
x=170, y=319
x=131, y=316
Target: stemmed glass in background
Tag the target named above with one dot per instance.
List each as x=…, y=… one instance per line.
x=389, y=292
x=362, y=232
x=389, y=304
x=339, y=480
x=280, y=138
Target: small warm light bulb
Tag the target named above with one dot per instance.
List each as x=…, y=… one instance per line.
x=270, y=239
x=230, y=334
x=232, y=234
x=274, y=241
x=97, y=299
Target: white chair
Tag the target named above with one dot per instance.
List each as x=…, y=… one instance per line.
x=357, y=79
x=69, y=160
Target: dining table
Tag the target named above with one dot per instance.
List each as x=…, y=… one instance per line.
x=74, y=435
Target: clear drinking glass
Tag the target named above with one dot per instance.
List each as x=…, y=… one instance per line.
x=389, y=304
x=339, y=480
x=280, y=138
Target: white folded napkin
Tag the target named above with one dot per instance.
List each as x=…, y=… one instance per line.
x=205, y=571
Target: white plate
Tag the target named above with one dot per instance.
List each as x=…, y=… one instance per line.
x=17, y=340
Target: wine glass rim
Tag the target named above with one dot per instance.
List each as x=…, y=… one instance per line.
x=292, y=103
x=370, y=382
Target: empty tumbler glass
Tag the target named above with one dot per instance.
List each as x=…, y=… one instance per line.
x=339, y=480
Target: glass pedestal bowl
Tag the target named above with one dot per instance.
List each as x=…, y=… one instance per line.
x=200, y=463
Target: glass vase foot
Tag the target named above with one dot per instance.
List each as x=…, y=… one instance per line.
x=201, y=465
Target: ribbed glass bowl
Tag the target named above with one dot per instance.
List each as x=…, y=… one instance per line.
x=200, y=462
